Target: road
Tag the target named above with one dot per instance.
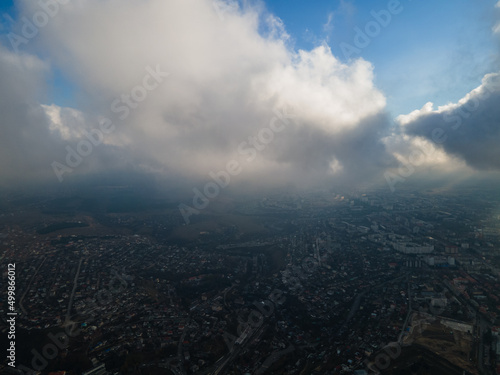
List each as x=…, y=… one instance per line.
x=219, y=366
x=28, y=288
x=483, y=327
x=75, y=285
x=401, y=335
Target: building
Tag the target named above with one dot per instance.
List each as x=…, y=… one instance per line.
x=99, y=370
x=412, y=248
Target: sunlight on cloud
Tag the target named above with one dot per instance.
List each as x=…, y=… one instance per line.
x=467, y=130
x=406, y=119
x=71, y=126
x=225, y=80
x=335, y=167
x=331, y=95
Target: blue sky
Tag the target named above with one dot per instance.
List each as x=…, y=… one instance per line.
x=6, y=5
x=61, y=90
x=430, y=51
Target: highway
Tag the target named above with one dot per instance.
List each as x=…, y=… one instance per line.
x=75, y=285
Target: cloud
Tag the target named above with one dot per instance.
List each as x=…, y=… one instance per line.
x=227, y=79
x=231, y=70
x=468, y=130
x=34, y=135
x=25, y=142
x=496, y=28
x=453, y=142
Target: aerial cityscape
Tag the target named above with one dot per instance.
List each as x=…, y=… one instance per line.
x=249, y=187
x=316, y=283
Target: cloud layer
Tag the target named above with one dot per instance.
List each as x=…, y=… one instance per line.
x=230, y=70
x=182, y=87
x=468, y=130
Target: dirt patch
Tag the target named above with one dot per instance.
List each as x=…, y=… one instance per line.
x=451, y=344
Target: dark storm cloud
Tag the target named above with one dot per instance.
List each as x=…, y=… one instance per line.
x=469, y=129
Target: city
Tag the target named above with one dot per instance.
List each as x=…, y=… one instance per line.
x=249, y=187
x=316, y=283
